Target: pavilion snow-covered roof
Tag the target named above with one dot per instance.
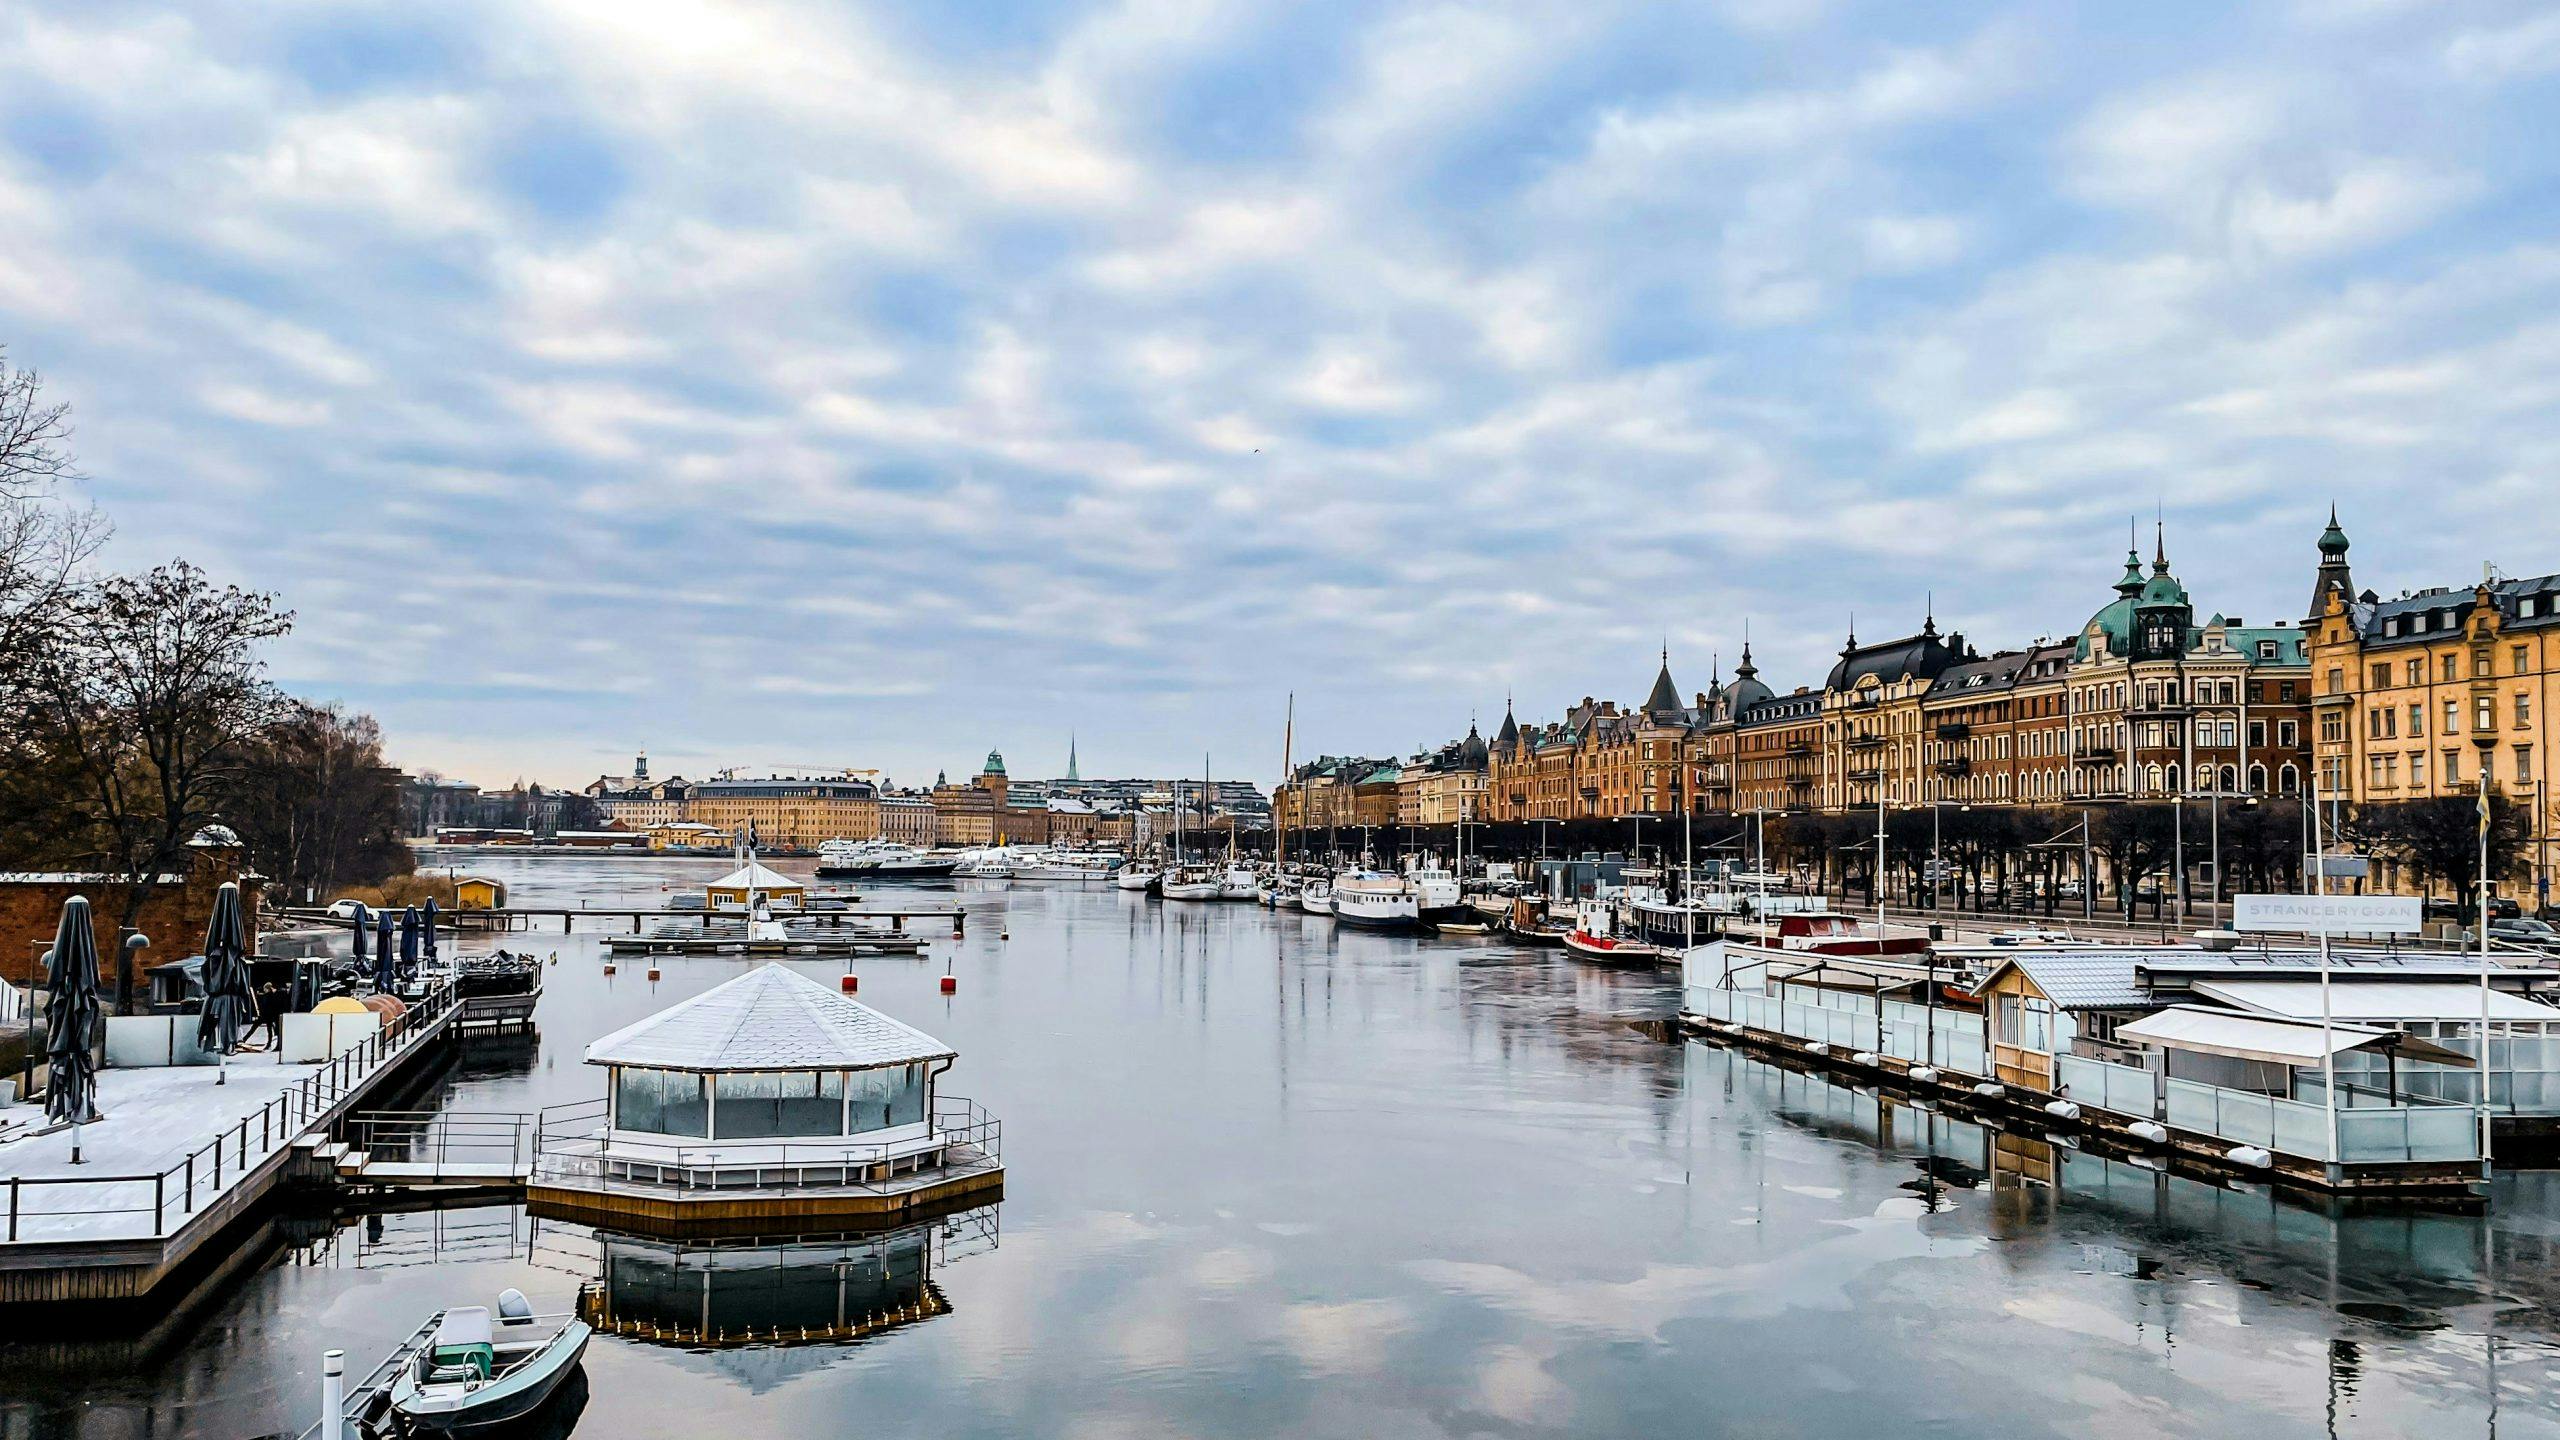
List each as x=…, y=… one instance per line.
x=754, y=876
x=771, y=1018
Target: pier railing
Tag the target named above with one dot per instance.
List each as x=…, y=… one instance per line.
x=571, y=1146
x=47, y=1208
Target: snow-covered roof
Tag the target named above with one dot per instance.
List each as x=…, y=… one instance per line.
x=754, y=876
x=771, y=1018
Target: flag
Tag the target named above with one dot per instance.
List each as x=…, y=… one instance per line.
x=2484, y=798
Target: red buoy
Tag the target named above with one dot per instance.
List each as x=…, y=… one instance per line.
x=653, y=972
x=850, y=982
x=950, y=984
x=608, y=967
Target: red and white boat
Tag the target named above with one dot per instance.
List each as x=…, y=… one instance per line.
x=1610, y=950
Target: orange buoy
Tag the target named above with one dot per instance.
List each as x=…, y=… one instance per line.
x=950, y=984
x=653, y=972
x=608, y=967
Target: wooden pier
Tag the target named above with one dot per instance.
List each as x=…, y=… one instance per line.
x=111, y=1229
x=513, y=918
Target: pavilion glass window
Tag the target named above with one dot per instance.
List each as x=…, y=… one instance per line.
x=661, y=1102
x=770, y=1104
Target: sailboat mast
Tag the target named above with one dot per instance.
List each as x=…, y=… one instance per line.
x=1288, y=735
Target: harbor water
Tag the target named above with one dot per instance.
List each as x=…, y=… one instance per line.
x=1270, y=1177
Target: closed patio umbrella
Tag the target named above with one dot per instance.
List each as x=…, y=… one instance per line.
x=363, y=923
x=409, y=941
x=431, y=929
x=382, y=957
x=230, y=1004
x=73, y=1020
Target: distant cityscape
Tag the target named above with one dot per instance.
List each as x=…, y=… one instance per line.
x=794, y=812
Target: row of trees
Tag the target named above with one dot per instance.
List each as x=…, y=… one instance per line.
x=136, y=709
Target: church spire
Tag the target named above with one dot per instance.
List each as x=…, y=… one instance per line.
x=1072, y=776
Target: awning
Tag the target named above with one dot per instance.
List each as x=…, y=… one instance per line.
x=2201, y=1031
x=2362, y=999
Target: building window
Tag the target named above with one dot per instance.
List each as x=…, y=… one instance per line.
x=2417, y=769
x=2452, y=716
x=2524, y=659
x=2288, y=733
x=2452, y=769
x=2480, y=663
x=2524, y=709
x=2417, y=672
x=2417, y=720
x=2450, y=672
x=2285, y=691
x=2257, y=734
x=2382, y=677
x=2337, y=680
x=2484, y=713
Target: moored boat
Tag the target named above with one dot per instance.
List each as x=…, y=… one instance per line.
x=1136, y=877
x=462, y=1374
x=879, y=859
x=1316, y=897
x=1190, y=882
x=1239, y=883
x=1074, y=866
x=1610, y=949
x=1376, y=900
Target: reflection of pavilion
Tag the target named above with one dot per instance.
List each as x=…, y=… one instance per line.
x=808, y=1289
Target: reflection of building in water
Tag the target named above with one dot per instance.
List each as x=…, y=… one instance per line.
x=804, y=1289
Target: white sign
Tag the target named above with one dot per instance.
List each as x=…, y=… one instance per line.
x=2327, y=914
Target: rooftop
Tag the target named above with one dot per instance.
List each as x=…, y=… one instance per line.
x=771, y=1018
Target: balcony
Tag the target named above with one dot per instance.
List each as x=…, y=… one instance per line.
x=1956, y=765
x=1954, y=730
x=1798, y=749
x=1863, y=701
x=1867, y=776
x=2103, y=753
x=1864, y=742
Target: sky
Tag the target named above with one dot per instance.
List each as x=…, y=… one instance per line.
x=806, y=386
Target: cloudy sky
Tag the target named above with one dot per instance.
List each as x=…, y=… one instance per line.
x=818, y=384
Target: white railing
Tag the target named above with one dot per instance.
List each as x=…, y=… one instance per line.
x=2104, y=1085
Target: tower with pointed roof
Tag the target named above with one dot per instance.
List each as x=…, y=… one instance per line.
x=2334, y=577
x=1072, y=776
x=1665, y=696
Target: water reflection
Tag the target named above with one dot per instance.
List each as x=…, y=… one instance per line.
x=1272, y=1178
x=810, y=1289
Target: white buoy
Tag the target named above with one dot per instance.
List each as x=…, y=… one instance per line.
x=1926, y=1075
x=2151, y=1130
x=2250, y=1155
x=333, y=1395
x=2062, y=1110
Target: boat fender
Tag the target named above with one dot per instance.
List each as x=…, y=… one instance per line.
x=2255, y=1157
x=1990, y=1090
x=2151, y=1130
x=1817, y=1048
x=1926, y=1075
x=2062, y=1110
x=1865, y=1057
x=513, y=1308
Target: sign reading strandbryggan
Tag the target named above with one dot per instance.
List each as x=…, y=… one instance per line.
x=2327, y=914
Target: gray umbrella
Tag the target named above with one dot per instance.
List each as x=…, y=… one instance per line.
x=382, y=973
x=230, y=1005
x=431, y=929
x=72, y=1018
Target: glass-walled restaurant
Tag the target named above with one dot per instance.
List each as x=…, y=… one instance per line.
x=769, y=1104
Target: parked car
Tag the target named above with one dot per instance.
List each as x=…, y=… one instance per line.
x=2500, y=908
x=2534, y=934
x=345, y=909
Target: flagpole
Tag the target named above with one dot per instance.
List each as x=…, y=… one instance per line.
x=2328, y=1043
x=2484, y=955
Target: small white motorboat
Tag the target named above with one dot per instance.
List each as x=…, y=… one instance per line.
x=1190, y=882
x=1239, y=883
x=1316, y=897
x=1135, y=877
x=460, y=1374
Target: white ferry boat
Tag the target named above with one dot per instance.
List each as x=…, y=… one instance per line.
x=1084, y=866
x=882, y=860
x=1375, y=899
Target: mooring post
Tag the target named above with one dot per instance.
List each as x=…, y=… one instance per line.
x=333, y=1395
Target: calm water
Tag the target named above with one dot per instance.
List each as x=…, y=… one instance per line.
x=1267, y=1177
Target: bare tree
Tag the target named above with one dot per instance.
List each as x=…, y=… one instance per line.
x=43, y=542
x=316, y=803
x=130, y=731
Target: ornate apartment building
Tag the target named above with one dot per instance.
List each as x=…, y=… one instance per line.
x=2416, y=697
x=2144, y=701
